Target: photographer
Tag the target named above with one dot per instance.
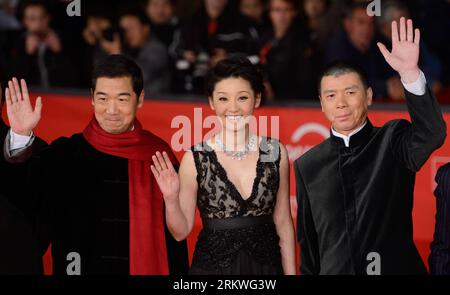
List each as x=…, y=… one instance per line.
x=98, y=27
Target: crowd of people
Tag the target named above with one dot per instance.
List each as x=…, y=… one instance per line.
x=114, y=199
x=177, y=42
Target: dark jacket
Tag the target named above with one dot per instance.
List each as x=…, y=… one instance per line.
x=83, y=207
x=356, y=201
x=60, y=70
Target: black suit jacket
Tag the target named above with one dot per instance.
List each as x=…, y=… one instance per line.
x=356, y=201
x=440, y=247
x=80, y=203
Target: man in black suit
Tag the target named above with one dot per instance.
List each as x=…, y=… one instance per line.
x=355, y=190
x=440, y=247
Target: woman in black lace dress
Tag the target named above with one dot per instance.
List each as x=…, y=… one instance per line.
x=238, y=180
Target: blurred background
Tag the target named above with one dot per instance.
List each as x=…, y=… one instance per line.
x=175, y=42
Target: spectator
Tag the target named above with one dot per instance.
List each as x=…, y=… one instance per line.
x=166, y=27
x=439, y=259
x=286, y=53
x=39, y=56
x=141, y=45
x=255, y=10
x=164, y=23
x=214, y=32
x=8, y=20
x=98, y=28
x=357, y=43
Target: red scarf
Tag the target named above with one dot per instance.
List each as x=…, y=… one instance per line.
x=148, y=251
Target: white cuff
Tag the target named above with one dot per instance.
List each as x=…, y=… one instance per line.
x=417, y=87
x=18, y=141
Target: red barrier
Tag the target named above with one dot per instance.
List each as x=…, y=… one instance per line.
x=300, y=129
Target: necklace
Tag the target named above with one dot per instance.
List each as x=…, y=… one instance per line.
x=238, y=155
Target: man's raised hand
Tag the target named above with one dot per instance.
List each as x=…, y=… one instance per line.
x=404, y=56
x=21, y=115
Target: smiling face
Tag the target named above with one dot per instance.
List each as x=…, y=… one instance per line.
x=234, y=100
x=345, y=101
x=115, y=104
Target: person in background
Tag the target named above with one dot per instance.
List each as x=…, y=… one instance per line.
x=255, y=10
x=356, y=43
x=96, y=33
x=439, y=259
x=8, y=20
x=314, y=14
x=38, y=54
x=287, y=55
x=214, y=32
x=166, y=26
x=164, y=23
x=138, y=42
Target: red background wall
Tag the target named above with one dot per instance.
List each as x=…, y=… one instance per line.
x=300, y=129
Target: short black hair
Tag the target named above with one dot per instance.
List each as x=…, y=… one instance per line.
x=237, y=66
x=116, y=66
x=341, y=67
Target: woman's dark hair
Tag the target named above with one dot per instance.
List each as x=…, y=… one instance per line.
x=117, y=66
x=236, y=67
